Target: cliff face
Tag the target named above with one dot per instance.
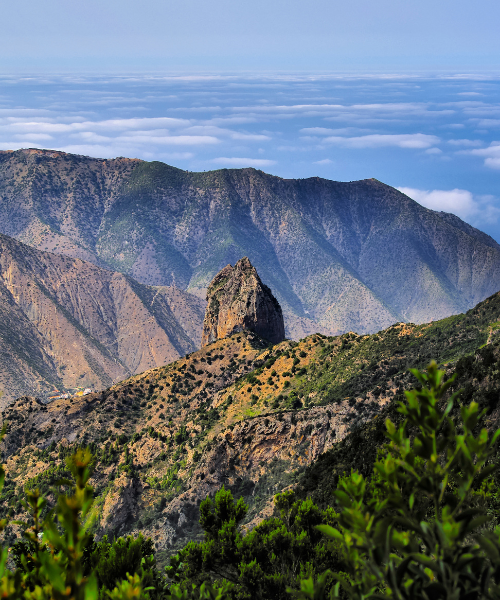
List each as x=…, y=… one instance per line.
x=339, y=257
x=237, y=301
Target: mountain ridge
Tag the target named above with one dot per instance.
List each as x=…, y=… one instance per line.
x=338, y=256
x=66, y=323
x=243, y=414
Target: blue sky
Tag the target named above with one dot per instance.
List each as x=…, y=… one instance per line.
x=402, y=91
x=260, y=35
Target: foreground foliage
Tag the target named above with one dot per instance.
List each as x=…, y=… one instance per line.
x=419, y=528
x=423, y=525
x=57, y=557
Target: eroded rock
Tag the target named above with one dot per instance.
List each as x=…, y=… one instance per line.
x=238, y=300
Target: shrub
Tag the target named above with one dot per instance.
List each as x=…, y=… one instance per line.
x=419, y=529
x=61, y=560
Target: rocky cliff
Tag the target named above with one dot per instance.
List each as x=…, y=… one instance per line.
x=339, y=257
x=237, y=301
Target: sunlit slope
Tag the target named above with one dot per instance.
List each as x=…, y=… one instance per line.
x=237, y=413
x=338, y=256
x=66, y=323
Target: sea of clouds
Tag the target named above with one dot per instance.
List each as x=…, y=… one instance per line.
x=437, y=139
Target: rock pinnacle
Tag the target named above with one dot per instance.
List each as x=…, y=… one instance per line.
x=237, y=301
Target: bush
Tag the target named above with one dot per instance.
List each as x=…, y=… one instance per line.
x=60, y=560
x=419, y=530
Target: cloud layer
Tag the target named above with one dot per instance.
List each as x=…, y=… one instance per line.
x=437, y=137
x=464, y=204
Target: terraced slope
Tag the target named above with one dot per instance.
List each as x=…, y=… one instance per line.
x=353, y=256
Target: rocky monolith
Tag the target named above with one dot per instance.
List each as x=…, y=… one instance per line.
x=237, y=301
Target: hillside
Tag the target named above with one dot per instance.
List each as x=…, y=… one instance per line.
x=65, y=323
x=339, y=257
x=240, y=413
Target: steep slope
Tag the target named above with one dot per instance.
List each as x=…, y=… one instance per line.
x=238, y=413
x=65, y=323
x=338, y=256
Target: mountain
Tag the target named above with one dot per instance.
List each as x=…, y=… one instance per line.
x=338, y=256
x=241, y=413
x=65, y=323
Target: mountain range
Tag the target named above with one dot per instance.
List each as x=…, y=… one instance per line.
x=354, y=256
x=66, y=323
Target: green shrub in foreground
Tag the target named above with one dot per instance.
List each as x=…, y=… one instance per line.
x=418, y=530
x=421, y=529
x=57, y=558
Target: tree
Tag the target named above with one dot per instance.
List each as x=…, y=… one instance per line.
x=57, y=560
x=277, y=553
x=420, y=530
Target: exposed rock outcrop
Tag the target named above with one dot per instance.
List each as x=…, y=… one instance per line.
x=238, y=300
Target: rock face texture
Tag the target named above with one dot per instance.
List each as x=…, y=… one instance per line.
x=237, y=301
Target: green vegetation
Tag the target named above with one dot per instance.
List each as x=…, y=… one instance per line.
x=57, y=558
x=425, y=525
x=152, y=467
x=416, y=517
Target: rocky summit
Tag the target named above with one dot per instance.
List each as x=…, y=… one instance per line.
x=238, y=301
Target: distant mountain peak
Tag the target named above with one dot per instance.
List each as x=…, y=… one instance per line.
x=238, y=301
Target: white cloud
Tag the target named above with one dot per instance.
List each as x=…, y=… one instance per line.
x=14, y=145
x=327, y=131
x=174, y=140
x=491, y=155
x=250, y=137
x=493, y=163
x=487, y=123
x=433, y=151
x=243, y=162
x=96, y=150
x=22, y=137
x=465, y=143
x=475, y=209
x=404, y=140
x=325, y=161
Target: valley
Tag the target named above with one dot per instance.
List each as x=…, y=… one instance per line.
x=65, y=323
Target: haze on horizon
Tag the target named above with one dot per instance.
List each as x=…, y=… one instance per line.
x=404, y=92
x=222, y=35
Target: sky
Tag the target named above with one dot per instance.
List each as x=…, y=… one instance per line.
x=259, y=35
x=402, y=91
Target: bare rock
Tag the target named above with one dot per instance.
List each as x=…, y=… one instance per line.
x=238, y=300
